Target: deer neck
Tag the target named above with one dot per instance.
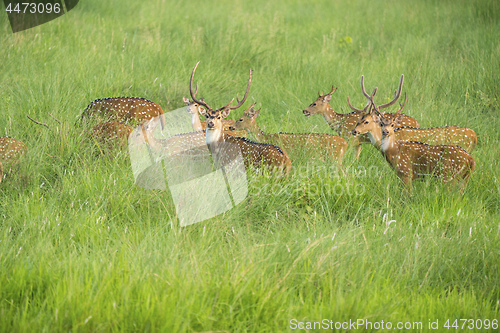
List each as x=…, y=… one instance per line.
x=375, y=136
x=390, y=149
x=195, y=121
x=331, y=117
x=258, y=134
x=213, y=135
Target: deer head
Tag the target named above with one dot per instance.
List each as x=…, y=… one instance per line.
x=389, y=124
x=247, y=120
x=320, y=105
x=214, y=117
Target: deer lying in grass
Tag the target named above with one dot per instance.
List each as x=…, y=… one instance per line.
x=253, y=153
x=11, y=150
x=414, y=160
x=449, y=135
x=343, y=124
x=126, y=110
x=323, y=145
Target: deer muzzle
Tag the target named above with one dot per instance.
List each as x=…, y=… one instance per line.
x=354, y=132
x=306, y=113
x=210, y=124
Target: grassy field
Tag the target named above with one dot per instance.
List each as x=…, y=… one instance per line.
x=82, y=248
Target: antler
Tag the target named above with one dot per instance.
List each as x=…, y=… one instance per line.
x=367, y=104
x=240, y=103
x=396, y=94
x=401, y=106
x=193, y=95
x=331, y=91
x=372, y=104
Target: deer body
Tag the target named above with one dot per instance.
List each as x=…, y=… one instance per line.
x=413, y=160
x=126, y=110
x=11, y=150
x=449, y=135
x=111, y=134
x=331, y=146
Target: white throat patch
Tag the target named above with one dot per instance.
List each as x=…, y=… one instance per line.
x=384, y=144
x=213, y=135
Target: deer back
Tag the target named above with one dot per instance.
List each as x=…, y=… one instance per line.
x=450, y=135
x=11, y=150
x=127, y=110
x=257, y=154
x=447, y=162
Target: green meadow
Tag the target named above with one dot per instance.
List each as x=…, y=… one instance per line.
x=82, y=248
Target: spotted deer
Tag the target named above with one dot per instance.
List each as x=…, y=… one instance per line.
x=414, y=160
x=253, y=153
x=126, y=110
x=449, y=135
x=343, y=124
x=196, y=109
x=11, y=150
x=111, y=134
x=320, y=145
x=180, y=144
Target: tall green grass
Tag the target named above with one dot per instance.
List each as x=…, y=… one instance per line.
x=82, y=248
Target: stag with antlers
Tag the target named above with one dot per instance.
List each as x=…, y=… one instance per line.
x=343, y=124
x=414, y=160
x=253, y=153
x=449, y=135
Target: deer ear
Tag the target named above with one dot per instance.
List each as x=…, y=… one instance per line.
x=252, y=113
x=398, y=120
x=186, y=100
x=327, y=98
x=203, y=112
x=224, y=113
x=376, y=118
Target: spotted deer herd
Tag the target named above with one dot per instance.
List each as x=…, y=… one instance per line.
x=413, y=152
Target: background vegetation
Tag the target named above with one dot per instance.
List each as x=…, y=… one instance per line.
x=82, y=248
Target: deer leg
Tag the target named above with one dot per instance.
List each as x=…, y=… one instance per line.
x=358, y=151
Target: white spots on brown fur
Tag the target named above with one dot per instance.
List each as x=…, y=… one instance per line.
x=413, y=160
x=126, y=110
x=330, y=146
x=344, y=124
x=110, y=135
x=11, y=151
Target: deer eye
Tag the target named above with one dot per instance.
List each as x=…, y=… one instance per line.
x=241, y=119
x=366, y=122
